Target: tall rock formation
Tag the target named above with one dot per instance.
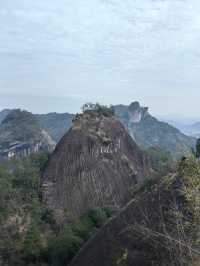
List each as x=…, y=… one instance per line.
x=147, y=131
x=96, y=164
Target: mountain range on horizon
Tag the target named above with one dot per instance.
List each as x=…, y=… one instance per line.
x=145, y=129
x=188, y=125
x=190, y=129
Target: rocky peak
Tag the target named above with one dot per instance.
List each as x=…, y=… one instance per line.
x=147, y=131
x=135, y=105
x=96, y=164
x=131, y=114
x=94, y=117
x=136, y=112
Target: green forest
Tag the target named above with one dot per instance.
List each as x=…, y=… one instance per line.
x=29, y=233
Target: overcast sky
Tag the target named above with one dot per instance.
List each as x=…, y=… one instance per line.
x=57, y=54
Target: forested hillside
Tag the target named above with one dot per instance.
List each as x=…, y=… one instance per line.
x=29, y=233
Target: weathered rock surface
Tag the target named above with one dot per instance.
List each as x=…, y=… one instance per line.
x=96, y=164
x=159, y=227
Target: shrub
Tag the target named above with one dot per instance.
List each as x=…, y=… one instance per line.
x=98, y=216
x=32, y=245
x=63, y=247
x=83, y=227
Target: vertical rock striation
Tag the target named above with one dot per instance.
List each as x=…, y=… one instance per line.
x=96, y=164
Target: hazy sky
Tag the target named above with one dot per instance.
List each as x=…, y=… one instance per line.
x=57, y=54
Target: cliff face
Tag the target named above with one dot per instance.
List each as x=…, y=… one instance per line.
x=96, y=164
x=159, y=227
x=147, y=131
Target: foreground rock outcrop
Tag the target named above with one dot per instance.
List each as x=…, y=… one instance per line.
x=96, y=164
x=159, y=227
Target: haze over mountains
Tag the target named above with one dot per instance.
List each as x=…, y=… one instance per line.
x=190, y=129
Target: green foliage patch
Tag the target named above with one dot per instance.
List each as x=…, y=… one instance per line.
x=29, y=233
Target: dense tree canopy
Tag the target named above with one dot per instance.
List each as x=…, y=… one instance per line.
x=29, y=233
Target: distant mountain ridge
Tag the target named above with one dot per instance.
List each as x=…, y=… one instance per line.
x=145, y=129
x=21, y=135
x=56, y=124
x=194, y=129
x=188, y=129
